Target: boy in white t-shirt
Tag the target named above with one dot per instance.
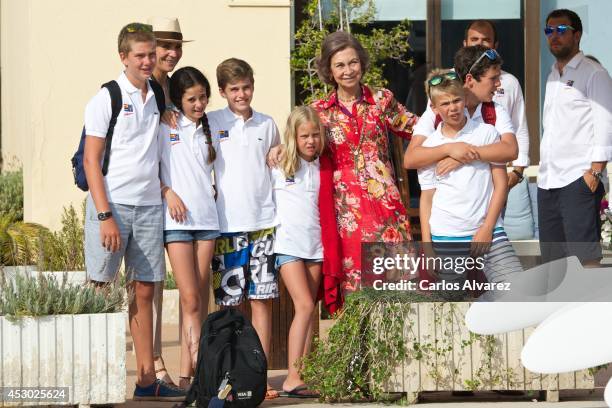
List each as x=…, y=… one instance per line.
x=463, y=206
x=243, y=265
x=124, y=218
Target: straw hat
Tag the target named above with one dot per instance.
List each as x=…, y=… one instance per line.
x=167, y=29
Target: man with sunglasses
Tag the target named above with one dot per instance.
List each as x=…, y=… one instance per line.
x=576, y=145
x=479, y=69
x=509, y=95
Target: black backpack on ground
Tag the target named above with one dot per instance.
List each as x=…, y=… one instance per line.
x=230, y=353
x=116, y=104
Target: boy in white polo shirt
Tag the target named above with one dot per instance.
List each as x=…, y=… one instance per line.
x=464, y=205
x=244, y=255
x=124, y=216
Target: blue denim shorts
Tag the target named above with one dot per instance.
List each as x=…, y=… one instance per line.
x=282, y=259
x=141, y=228
x=189, y=235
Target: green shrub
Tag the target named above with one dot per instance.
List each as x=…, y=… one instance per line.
x=170, y=282
x=19, y=241
x=44, y=295
x=63, y=250
x=11, y=193
x=363, y=347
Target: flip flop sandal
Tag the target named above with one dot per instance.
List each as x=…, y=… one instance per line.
x=301, y=391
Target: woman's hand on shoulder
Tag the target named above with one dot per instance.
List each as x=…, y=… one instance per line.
x=170, y=118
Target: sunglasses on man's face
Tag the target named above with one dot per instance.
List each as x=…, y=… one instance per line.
x=139, y=28
x=560, y=29
x=491, y=54
x=438, y=79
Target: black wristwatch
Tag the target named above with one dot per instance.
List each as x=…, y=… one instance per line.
x=519, y=175
x=105, y=215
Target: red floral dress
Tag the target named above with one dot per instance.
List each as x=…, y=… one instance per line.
x=366, y=200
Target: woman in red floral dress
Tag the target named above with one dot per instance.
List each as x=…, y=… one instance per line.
x=368, y=207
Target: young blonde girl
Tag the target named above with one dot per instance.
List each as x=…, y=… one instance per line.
x=298, y=248
x=191, y=223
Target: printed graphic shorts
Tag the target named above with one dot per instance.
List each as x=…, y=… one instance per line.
x=243, y=265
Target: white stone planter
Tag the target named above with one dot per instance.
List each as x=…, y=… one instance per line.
x=72, y=277
x=473, y=365
x=11, y=271
x=85, y=353
x=170, y=307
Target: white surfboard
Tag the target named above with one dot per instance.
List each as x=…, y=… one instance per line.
x=575, y=338
x=538, y=293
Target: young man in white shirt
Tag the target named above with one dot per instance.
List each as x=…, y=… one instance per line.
x=243, y=266
x=576, y=145
x=124, y=218
x=509, y=95
x=479, y=68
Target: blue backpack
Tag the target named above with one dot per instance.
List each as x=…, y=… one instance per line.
x=116, y=104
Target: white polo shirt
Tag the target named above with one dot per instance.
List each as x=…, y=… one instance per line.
x=510, y=96
x=133, y=170
x=462, y=197
x=297, y=206
x=185, y=169
x=244, y=198
x=577, y=122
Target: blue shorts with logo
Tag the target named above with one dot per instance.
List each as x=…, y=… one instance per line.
x=243, y=266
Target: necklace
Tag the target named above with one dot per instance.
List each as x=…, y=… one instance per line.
x=349, y=100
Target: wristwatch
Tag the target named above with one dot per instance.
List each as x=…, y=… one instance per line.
x=105, y=215
x=597, y=174
x=519, y=175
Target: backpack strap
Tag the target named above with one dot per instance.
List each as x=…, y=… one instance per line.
x=437, y=121
x=116, y=102
x=488, y=113
x=160, y=98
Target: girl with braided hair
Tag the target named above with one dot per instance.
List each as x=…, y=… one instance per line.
x=191, y=224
